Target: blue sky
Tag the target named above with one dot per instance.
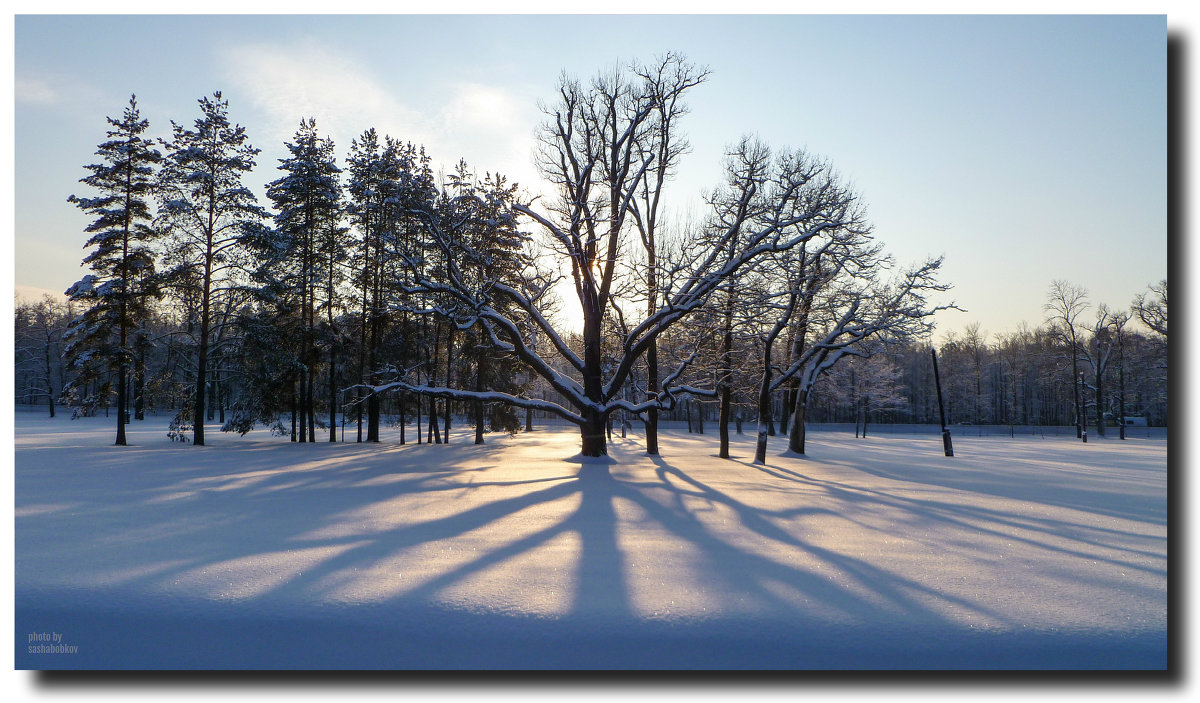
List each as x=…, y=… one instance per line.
x=1025, y=149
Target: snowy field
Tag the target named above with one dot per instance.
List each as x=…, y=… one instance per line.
x=880, y=553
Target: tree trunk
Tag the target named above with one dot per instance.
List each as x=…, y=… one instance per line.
x=121, y=390
x=293, y=406
x=764, y=409
x=593, y=380
x=220, y=395
x=796, y=433
x=449, y=370
x=201, y=371
x=652, y=384
x=592, y=434
x=418, y=404
x=212, y=391
x=723, y=418
x=49, y=380
x=401, y=401
x=373, y=399
x=726, y=378
x=312, y=405
x=303, y=395
x=789, y=402
x=362, y=362
x=333, y=405
x=373, y=418
x=479, y=387
x=139, y=379
x=433, y=433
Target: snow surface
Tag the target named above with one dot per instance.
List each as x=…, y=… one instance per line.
x=253, y=552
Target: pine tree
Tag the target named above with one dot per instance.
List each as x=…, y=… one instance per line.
x=209, y=213
x=364, y=208
x=118, y=291
x=308, y=248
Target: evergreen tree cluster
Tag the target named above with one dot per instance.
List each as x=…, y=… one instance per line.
x=204, y=304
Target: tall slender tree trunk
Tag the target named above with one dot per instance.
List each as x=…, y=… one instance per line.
x=139, y=377
x=373, y=398
x=333, y=349
x=333, y=404
x=201, y=364
x=122, y=375
x=449, y=383
x=362, y=359
x=49, y=377
x=764, y=408
x=418, y=404
x=121, y=391
x=434, y=436
x=310, y=401
x=403, y=418
x=652, y=388
x=796, y=432
x=293, y=407
x=220, y=397
x=376, y=333
x=123, y=370
x=479, y=387
x=212, y=390
x=303, y=395
x=726, y=378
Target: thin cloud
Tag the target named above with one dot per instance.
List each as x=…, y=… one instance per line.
x=35, y=91
x=289, y=83
x=490, y=127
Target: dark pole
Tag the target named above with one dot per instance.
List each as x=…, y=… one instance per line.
x=1083, y=416
x=1121, y=348
x=937, y=379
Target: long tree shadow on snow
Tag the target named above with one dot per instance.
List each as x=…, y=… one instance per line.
x=281, y=509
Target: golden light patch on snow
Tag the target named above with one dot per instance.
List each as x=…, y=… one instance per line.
x=542, y=580
x=435, y=554
x=257, y=574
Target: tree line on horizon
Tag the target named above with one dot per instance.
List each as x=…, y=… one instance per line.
x=378, y=289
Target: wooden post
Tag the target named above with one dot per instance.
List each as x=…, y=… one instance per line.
x=947, y=445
